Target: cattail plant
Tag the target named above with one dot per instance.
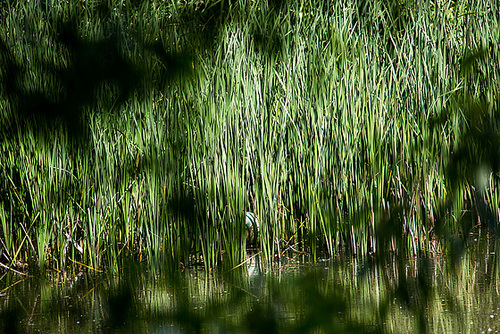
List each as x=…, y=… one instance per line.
x=354, y=126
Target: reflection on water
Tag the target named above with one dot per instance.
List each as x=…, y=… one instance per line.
x=338, y=295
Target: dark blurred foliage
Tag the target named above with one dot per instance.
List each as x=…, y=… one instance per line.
x=78, y=73
x=472, y=158
x=475, y=153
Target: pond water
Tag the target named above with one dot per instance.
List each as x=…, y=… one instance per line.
x=339, y=295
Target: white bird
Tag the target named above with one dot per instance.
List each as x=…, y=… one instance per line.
x=252, y=225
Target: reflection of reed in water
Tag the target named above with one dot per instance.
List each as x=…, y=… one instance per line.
x=252, y=229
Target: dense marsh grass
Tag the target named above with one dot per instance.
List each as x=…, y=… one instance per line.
x=147, y=129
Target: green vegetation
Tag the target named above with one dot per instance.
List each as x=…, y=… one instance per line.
x=147, y=129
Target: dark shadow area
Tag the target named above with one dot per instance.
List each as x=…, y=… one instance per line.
x=62, y=76
x=9, y=320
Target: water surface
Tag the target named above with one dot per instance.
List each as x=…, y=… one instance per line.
x=338, y=295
